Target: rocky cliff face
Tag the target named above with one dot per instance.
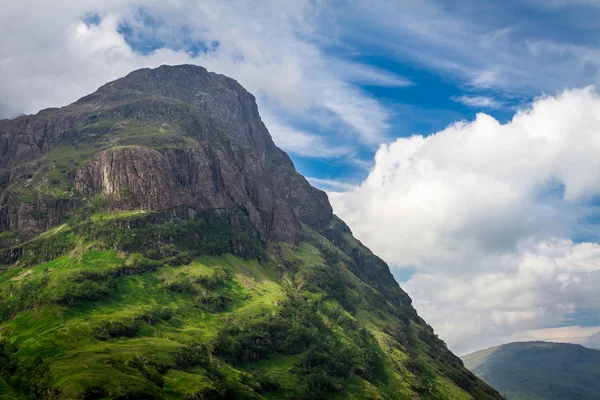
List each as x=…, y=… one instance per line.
x=155, y=140
x=156, y=244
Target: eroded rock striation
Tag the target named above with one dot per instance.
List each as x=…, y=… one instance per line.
x=155, y=140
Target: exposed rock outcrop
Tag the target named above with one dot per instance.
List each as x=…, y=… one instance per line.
x=154, y=140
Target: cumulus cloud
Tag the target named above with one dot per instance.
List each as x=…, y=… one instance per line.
x=274, y=49
x=485, y=212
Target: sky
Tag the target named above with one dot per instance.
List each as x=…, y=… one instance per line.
x=458, y=139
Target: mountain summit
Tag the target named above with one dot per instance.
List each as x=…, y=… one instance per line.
x=172, y=137
x=156, y=244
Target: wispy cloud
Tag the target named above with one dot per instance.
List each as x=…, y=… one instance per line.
x=281, y=60
x=485, y=45
x=332, y=185
x=304, y=143
x=478, y=101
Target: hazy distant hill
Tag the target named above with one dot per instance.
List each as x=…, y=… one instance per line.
x=539, y=370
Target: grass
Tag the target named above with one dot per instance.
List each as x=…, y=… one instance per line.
x=125, y=339
x=182, y=383
x=116, y=215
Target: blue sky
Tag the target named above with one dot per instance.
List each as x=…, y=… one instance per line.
x=435, y=95
x=401, y=110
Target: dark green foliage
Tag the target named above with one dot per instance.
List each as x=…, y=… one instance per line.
x=81, y=287
x=149, y=368
x=21, y=296
x=249, y=343
x=176, y=242
x=215, y=302
x=323, y=368
x=193, y=355
x=39, y=250
x=112, y=329
x=172, y=241
x=208, y=393
x=267, y=384
x=105, y=330
x=196, y=355
x=85, y=286
x=94, y=393
x=331, y=281
x=367, y=356
x=326, y=360
x=29, y=378
x=181, y=286
x=156, y=315
x=362, y=262
x=320, y=372
x=91, y=285
x=205, y=285
x=215, y=280
x=140, y=264
x=291, y=331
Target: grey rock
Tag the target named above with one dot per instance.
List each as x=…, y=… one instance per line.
x=207, y=149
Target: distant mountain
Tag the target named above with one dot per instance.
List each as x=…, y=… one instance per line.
x=156, y=244
x=539, y=370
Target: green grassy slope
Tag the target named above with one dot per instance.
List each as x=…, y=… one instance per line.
x=131, y=306
x=539, y=370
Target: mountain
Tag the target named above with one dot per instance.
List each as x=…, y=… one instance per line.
x=156, y=244
x=539, y=370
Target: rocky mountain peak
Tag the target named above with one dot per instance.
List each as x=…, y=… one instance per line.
x=157, y=139
x=156, y=244
x=221, y=99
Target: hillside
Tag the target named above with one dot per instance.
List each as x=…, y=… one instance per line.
x=156, y=244
x=539, y=370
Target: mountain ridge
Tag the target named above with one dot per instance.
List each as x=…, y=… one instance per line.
x=539, y=370
x=152, y=234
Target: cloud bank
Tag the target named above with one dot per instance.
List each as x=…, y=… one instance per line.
x=494, y=218
x=55, y=52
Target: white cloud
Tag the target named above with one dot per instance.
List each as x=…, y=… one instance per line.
x=303, y=143
x=486, y=45
x=272, y=48
x=478, y=101
x=585, y=335
x=540, y=287
x=331, y=184
x=484, y=212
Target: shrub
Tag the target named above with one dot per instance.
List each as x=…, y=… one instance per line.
x=216, y=280
x=192, y=355
x=110, y=329
x=181, y=286
x=30, y=377
x=216, y=302
x=85, y=288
